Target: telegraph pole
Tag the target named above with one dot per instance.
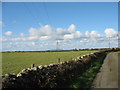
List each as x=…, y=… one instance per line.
x=109, y=42
x=57, y=45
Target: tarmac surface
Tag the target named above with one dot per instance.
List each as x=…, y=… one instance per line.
x=108, y=75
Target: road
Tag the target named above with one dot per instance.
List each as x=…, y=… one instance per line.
x=108, y=75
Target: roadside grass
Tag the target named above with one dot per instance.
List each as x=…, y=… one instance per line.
x=119, y=53
x=85, y=80
x=0, y=64
x=118, y=66
x=14, y=62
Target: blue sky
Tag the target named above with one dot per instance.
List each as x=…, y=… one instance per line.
x=68, y=20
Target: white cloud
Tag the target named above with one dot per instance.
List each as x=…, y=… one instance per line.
x=42, y=31
x=72, y=28
x=45, y=33
x=84, y=40
x=87, y=33
x=16, y=39
x=45, y=38
x=110, y=32
x=1, y=24
x=33, y=43
x=118, y=34
x=21, y=34
x=77, y=34
x=94, y=34
x=33, y=31
x=61, y=31
x=69, y=33
x=46, y=29
x=68, y=36
x=32, y=38
x=8, y=33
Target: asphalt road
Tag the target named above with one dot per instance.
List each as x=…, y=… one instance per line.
x=108, y=75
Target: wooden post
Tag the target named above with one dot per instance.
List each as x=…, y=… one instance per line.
x=58, y=60
x=32, y=65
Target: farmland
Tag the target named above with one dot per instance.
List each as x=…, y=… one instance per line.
x=119, y=53
x=14, y=62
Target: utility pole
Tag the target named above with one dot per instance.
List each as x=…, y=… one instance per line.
x=57, y=45
x=109, y=42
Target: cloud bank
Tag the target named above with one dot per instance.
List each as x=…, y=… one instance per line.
x=8, y=33
x=45, y=37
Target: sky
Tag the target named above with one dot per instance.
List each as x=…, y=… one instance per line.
x=38, y=26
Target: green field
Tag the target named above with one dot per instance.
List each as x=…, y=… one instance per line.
x=119, y=53
x=14, y=62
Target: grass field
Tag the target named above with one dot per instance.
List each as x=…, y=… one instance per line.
x=119, y=53
x=14, y=62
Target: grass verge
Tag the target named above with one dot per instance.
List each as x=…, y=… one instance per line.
x=85, y=80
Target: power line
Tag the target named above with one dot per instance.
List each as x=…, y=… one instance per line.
x=29, y=11
x=36, y=18
x=45, y=7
